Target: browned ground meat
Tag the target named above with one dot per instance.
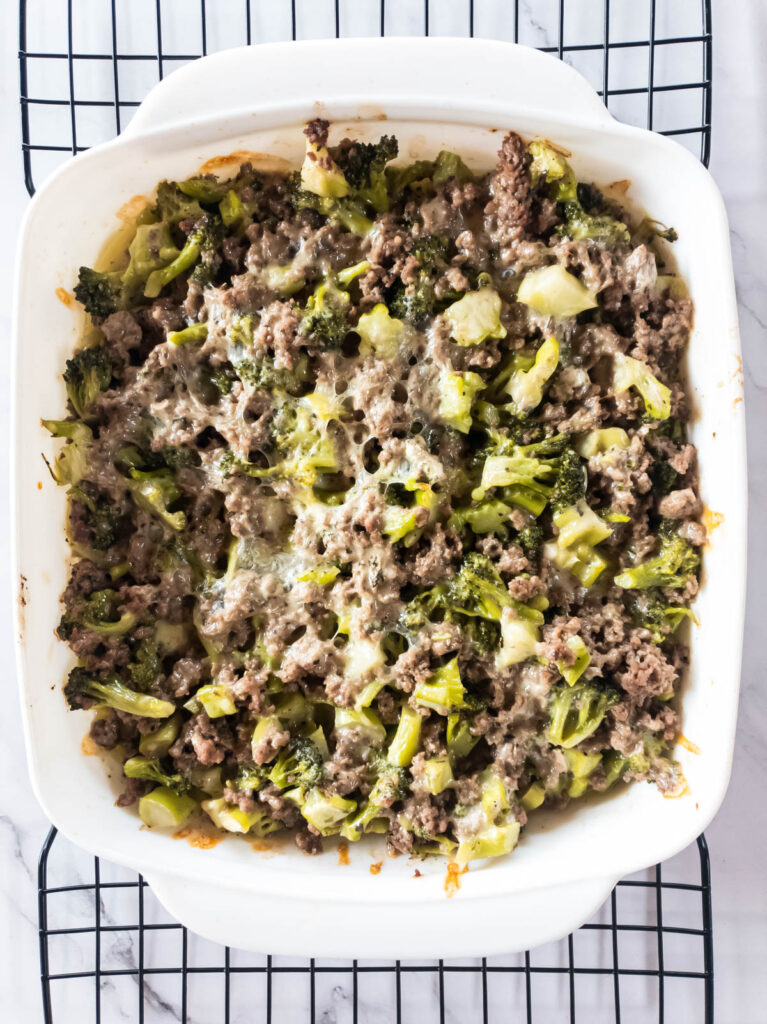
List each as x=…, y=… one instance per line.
x=295, y=561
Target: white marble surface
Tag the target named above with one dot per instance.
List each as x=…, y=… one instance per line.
x=738, y=837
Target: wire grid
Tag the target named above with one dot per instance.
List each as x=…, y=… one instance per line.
x=110, y=952
x=84, y=67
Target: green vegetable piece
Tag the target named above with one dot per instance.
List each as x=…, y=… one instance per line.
x=285, y=280
x=157, y=744
x=114, y=694
x=457, y=391
x=579, y=524
x=533, y=797
x=153, y=491
x=675, y=562
x=460, y=741
x=492, y=842
x=87, y=374
x=364, y=722
x=404, y=745
x=71, y=462
x=443, y=691
x=553, y=291
x=230, y=818
x=231, y=209
x=633, y=373
x=162, y=808
x=437, y=774
x=489, y=516
x=519, y=637
x=149, y=769
x=326, y=812
x=216, y=699
x=581, y=766
x=596, y=442
x=320, y=173
x=572, y=672
x=526, y=386
x=195, y=332
x=577, y=712
x=476, y=317
x=551, y=165
x=449, y=165
x=380, y=333
x=322, y=575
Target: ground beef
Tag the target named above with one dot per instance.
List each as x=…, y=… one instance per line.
x=293, y=511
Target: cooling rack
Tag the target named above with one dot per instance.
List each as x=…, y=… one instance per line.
x=108, y=950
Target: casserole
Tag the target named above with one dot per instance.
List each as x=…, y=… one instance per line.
x=567, y=864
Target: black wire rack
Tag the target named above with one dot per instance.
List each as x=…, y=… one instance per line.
x=108, y=950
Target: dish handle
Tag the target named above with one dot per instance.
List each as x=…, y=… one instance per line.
x=285, y=926
x=429, y=70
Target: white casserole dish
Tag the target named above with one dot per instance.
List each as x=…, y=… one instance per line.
x=455, y=94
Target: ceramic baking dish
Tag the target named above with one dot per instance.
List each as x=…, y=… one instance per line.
x=433, y=94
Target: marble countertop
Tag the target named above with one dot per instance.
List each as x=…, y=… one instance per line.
x=738, y=837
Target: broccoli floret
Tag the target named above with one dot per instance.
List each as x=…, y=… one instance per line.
x=100, y=293
x=417, y=302
x=98, y=613
x=150, y=770
x=263, y=374
x=477, y=589
x=202, y=243
x=299, y=764
x=674, y=563
x=664, y=476
x=81, y=690
x=101, y=517
x=364, y=167
x=577, y=712
x=87, y=374
x=179, y=457
x=633, y=373
x=154, y=491
x=325, y=318
x=570, y=485
x=173, y=205
x=147, y=664
x=661, y=620
x=210, y=190
x=531, y=541
x=347, y=211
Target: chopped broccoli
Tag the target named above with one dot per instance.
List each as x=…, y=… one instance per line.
x=596, y=442
x=457, y=391
x=477, y=589
x=526, y=386
x=150, y=770
x=531, y=541
x=173, y=205
x=443, y=691
x=231, y=818
x=154, y=491
x=577, y=712
x=87, y=374
x=633, y=373
x=476, y=317
x=263, y=374
x=554, y=291
x=298, y=764
x=211, y=190
x=192, y=333
x=570, y=485
x=100, y=293
x=674, y=563
x=379, y=332
x=520, y=633
x=660, y=619
x=325, y=320
x=157, y=743
x=572, y=670
x=81, y=687
x=99, y=614
x=163, y=808
x=71, y=462
x=326, y=812
x=407, y=738
x=487, y=516
x=417, y=302
x=102, y=518
x=204, y=238
x=364, y=168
